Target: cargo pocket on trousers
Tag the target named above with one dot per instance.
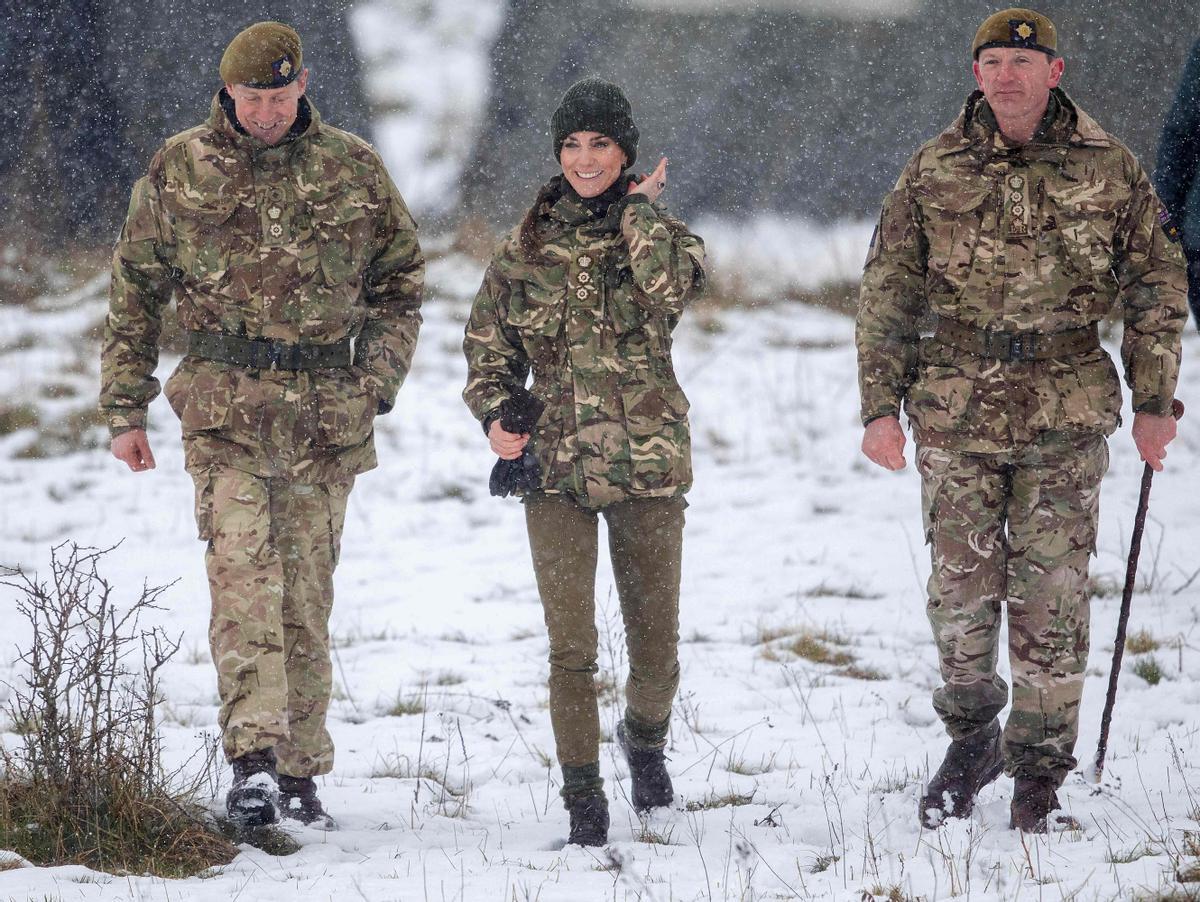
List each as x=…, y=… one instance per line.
x=337, y=495
x=931, y=486
x=1090, y=465
x=204, y=506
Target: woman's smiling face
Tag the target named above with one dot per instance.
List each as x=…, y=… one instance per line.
x=591, y=162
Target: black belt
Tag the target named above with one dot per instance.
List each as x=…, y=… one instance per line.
x=1009, y=346
x=268, y=354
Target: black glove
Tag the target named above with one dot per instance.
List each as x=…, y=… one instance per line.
x=511, y=476
x=519, y=413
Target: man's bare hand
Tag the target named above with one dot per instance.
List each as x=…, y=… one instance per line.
x=883, y=442
x=133, y=447
x=1152, y=434
x=507, y=445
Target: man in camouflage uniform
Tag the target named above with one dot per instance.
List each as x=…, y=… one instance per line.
x=297, y=275
x=586, y=293
x=1010, y=236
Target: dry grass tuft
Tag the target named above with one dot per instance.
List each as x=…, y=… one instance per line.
x=725, y=800
x=863, y=672
x=1141, y=643
x=85, y=784
x=818, y=649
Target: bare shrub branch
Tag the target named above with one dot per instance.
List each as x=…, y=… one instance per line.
x=86, y=783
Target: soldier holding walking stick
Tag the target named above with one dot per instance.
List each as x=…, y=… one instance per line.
x=1015, y=232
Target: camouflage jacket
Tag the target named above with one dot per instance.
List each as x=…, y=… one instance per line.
x=1043, y=237
x=590, y=310
x=307, y=242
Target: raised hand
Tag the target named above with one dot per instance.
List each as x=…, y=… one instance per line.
x=652, y=185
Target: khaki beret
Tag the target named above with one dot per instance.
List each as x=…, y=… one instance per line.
x=1016, y=27
x=265, y=55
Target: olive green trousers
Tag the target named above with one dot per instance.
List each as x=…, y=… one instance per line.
x=645, y=543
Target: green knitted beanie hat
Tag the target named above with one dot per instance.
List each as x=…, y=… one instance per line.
x=595, y=105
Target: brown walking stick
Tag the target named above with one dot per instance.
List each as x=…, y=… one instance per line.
x=1135, y=547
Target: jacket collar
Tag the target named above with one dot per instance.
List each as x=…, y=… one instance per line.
x=1066, y=125
x=568, y=208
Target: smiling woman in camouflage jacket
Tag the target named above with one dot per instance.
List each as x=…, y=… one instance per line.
x=585, y=292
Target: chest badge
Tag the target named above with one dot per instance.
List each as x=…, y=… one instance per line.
x=1016, y=204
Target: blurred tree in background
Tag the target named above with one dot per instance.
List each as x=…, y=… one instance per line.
x=797, y=107
x=800, y=108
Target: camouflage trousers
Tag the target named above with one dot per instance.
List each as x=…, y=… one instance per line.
x=645, y=543
x=1016, y=526
x=272, y=549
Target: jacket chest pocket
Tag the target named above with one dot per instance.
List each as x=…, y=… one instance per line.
x=627, y=316
x=1082, y=219
x=203, y=234
x=343, y=227
x=535, y=312
x=953, y=229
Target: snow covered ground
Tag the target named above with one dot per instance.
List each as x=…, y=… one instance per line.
x=796, y=779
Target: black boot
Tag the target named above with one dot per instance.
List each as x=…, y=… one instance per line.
x=253, y=799
x=647, y=771
x=1034, y=800
x=589, y=819
x=298, y=801
x=970, y=764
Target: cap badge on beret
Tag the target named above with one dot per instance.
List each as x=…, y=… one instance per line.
x=1022, y=32
x=282, y=67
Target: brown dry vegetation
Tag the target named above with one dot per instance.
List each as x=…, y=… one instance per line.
x=85, y=782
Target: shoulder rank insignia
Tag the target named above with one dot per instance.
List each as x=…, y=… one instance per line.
x=1168, y=224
